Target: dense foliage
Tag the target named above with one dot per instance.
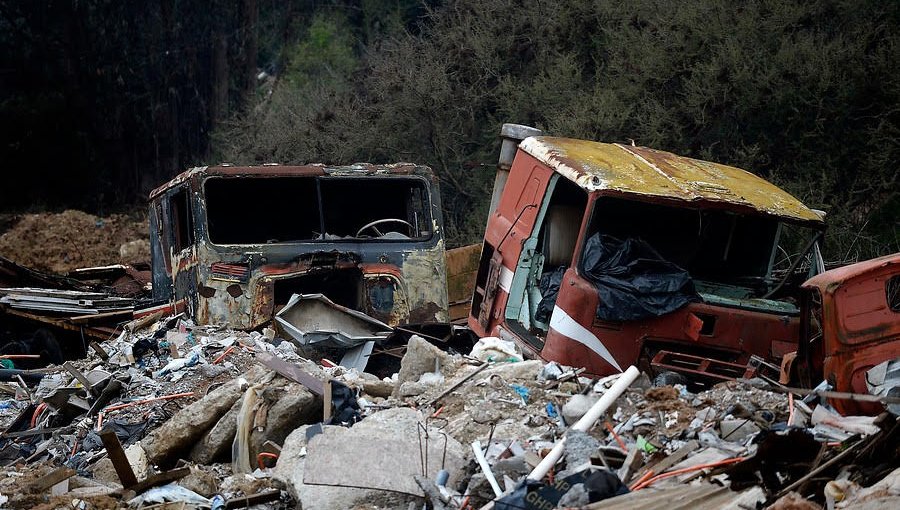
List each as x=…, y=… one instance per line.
x=806, y=94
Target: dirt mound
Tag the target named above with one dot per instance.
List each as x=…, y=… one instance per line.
x=60, y=242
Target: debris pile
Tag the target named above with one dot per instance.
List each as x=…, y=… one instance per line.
x=61, y=242
x=213, y=418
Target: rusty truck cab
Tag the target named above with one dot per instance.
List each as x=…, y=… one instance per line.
x=851, y=322
x=725, y=226
x=237, y=242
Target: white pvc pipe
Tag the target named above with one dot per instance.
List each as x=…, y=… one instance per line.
x=587, y=421
x=486, y=468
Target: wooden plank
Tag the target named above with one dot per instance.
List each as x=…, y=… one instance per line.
x=160, y=479
x=95, y=332
x=673, y=459
x=121, y=314
x=292, y=372
x=49, y=480
x=74, y=372
x=100, y=351
x=632, y=463
x=254, y=499
x=32, y=432
x=326, y=401
x=118, y=458
x=144, y=320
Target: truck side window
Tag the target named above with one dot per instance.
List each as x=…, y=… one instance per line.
x=181, y=220
x=892, y=288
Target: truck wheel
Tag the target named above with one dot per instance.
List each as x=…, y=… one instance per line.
x=669, y=378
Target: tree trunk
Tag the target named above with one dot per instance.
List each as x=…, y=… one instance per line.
x=251, y=19
x=219, y=79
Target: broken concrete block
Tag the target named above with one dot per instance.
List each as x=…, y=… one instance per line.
x=737, y=431
x=212, y=371
x=412, y=388
x=217, y=442
x=200, y=482
x=523, y=370
x=420, y=358
x=290, y=468
x=188, y=425
x=377, y=388
x=580, y=446
x=290, y=406
x=577, y=406
x=105, y=472
x=355, y=457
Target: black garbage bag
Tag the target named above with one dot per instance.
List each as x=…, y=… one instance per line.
x=634, y=281
x=345, y=408
x=603, y=484
x=549, y=287
x=128, y=433
x=534, y=495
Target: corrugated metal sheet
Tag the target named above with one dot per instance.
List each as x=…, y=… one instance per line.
x=630, y=170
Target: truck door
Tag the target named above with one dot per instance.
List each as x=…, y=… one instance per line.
x=510, y=225
x=178, y=228
x=861, y=318
x=575, y=336
x=546, y=254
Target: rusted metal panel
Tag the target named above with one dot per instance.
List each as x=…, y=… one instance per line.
x=236, y=284
x=860, y=329
x=462, y=268
x=639, y=171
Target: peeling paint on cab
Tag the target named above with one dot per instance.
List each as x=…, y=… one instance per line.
x=416, y=267
x=627, y=170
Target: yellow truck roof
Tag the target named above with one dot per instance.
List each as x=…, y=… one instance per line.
x=629, y=170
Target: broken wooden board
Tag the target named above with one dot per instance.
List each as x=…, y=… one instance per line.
x=254, y=499
x=291, y=371
x=54, y=477
x=118, y=458
x=372, y=462
x=160, y=479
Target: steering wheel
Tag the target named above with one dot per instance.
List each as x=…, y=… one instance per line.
x=372, y=224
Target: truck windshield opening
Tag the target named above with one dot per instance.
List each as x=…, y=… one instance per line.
x=712, y=245
x=268, y=210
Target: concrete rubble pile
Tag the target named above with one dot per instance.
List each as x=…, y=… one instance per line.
x=206, y=417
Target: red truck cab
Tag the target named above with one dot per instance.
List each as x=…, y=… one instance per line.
x=851, y=322
x=728, y=228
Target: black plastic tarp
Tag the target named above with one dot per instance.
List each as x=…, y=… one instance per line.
x=549, y=287
x=633, y=281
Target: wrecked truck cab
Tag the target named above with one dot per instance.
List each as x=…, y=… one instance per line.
x=565, y=200
x=850, y=324
x=236, y=242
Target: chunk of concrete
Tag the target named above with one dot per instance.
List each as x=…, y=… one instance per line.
x=216, y=444
x=420, y=358
x=176, y=436
x=577, y=406
x=201, y=482
x=377, y=388
x=737, y=431
x=412, y=388
x=105, y=472
x=528, y=370
x=290, y=405
x=389, y=434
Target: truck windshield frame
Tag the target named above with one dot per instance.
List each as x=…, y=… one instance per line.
x=726, y=252
x=711, y=244
x=316, y=209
